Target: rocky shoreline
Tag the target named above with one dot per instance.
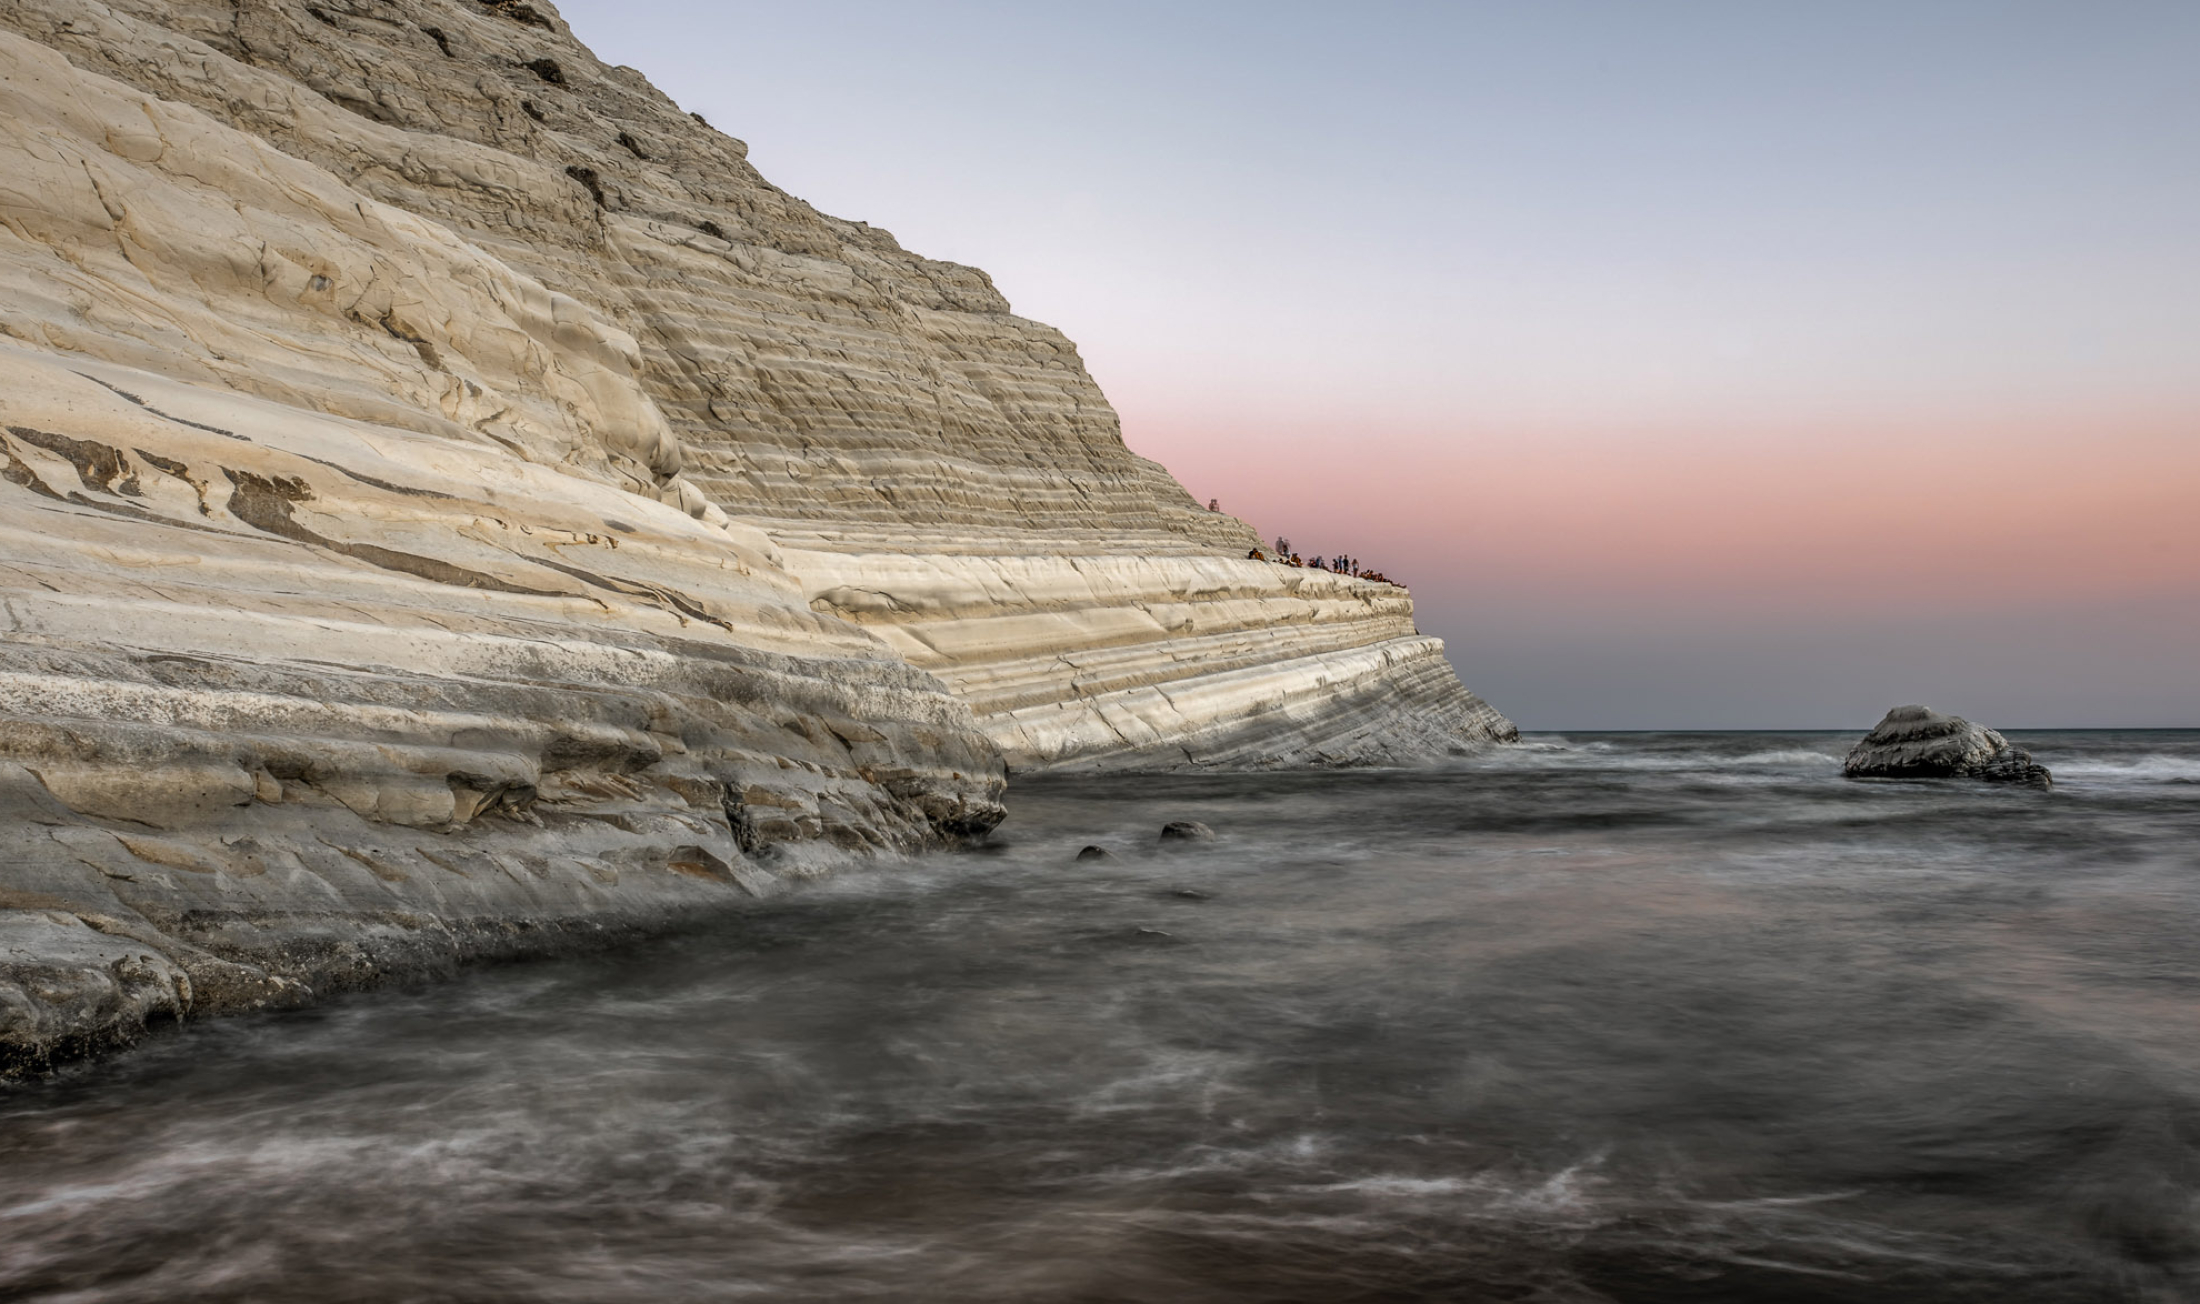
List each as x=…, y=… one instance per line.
x=452, y=506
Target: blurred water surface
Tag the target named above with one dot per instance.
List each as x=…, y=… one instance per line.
x=1596, y=1018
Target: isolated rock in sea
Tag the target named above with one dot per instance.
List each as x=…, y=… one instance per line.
x=452, y=505
x=1095, y=853
x=1917, y=742
x=1186, y=831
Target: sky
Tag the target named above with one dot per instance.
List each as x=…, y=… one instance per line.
x=1699, y=364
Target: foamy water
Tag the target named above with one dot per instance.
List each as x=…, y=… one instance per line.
x=1633, y=1018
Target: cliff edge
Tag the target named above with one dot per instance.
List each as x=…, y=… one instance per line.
x=451, y=503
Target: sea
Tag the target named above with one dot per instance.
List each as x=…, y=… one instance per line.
x=1626, y=1017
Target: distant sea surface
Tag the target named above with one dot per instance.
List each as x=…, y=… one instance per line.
x=1642, y=1017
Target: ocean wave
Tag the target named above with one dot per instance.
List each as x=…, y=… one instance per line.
x=2154, y=768
x=1790, y=756
x=1569, y=1191
x=1602, y=755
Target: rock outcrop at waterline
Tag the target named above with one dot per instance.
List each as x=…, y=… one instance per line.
x=292, y=702
x=1917, y=742
x=450, y=500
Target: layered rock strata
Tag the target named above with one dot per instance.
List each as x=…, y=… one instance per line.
x=451, y=500
x=1169, y=658
x=872, y=410
x=291, y=702
x=1917, y=742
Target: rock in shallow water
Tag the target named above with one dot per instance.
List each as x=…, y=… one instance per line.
x=1186, y=831
x=1917, y=742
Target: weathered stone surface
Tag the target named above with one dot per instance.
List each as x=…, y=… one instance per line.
x=450, y=504
x=314, y=702
x=931, y=465
x=1917, y=742
x=1161, y=661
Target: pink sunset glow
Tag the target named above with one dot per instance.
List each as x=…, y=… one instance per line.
x=1978, y=514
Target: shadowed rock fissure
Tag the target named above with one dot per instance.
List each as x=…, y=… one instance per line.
x=263, y=502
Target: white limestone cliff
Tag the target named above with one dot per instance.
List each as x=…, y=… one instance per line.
x=452, y=503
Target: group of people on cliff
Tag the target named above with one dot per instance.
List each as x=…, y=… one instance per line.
x=1339, y=564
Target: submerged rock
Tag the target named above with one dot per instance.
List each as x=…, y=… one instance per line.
x=1095, y=853
x=1917, y=742
x=1186, y=831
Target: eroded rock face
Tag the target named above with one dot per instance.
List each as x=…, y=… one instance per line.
x=933, y=466
x=289, y=702
x=1917, y=742
x=450, y=503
